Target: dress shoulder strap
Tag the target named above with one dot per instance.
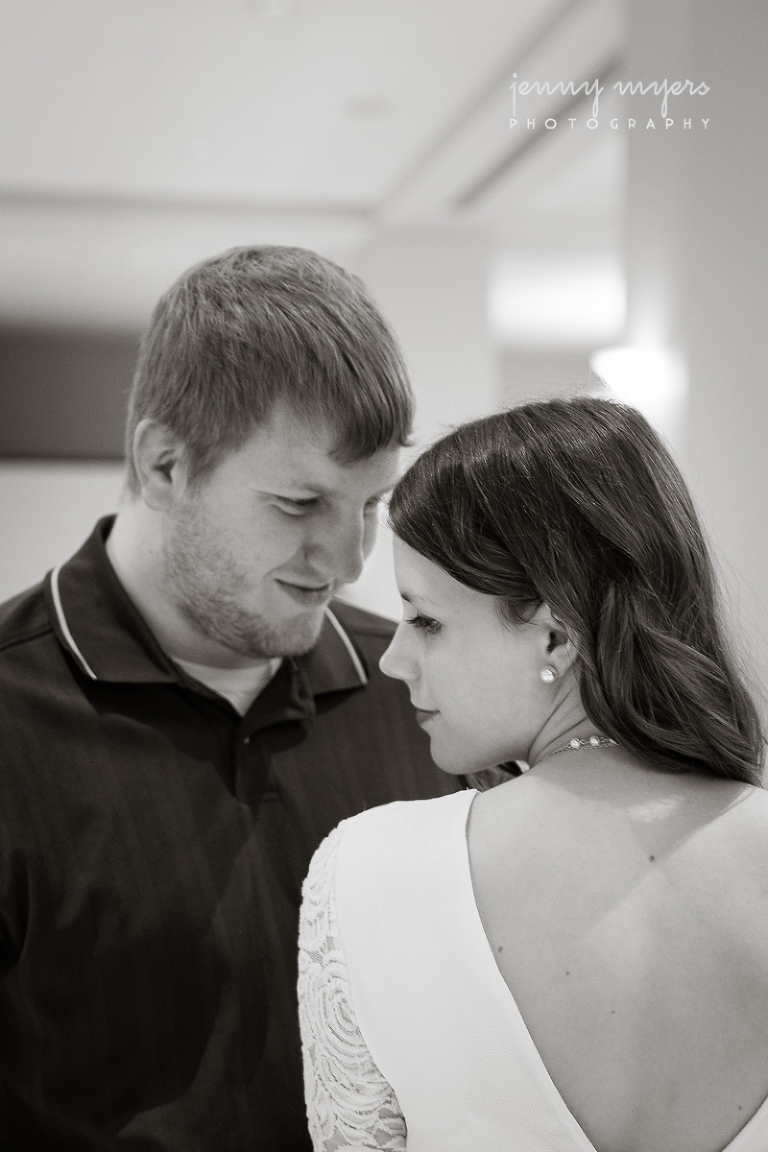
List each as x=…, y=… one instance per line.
x=429, y=1000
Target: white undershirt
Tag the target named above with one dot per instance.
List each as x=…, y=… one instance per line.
x=240, y=686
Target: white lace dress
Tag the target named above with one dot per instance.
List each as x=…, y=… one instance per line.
x=411, y=1037
x=349, y=1103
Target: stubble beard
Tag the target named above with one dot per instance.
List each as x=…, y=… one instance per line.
x=204, y=582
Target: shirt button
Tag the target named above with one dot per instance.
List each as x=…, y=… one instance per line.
x=246, y=740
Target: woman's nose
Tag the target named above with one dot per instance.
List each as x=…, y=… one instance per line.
x=396, y=661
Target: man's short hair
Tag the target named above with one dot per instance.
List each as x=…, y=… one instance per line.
x=253, y=326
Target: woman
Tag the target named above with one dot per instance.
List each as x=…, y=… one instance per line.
x=576, y=960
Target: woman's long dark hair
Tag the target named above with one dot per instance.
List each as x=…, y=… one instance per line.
x=578, y=504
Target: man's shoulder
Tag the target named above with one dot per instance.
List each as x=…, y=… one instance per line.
x=23, y=618
x=360, y=622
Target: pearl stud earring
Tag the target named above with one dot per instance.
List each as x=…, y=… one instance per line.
x=548, y=674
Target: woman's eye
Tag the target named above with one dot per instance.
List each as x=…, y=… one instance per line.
x=424, y=623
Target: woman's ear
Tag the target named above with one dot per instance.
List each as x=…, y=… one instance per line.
x=158, y=459
x=558, y=649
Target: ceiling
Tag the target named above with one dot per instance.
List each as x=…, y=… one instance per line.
x=142, y=135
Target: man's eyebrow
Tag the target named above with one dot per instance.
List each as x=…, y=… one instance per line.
x=295, y=483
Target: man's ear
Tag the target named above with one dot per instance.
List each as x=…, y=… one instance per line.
x=158, y=457
x=558, y=648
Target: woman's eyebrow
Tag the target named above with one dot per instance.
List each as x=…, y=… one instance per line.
x=416, y=598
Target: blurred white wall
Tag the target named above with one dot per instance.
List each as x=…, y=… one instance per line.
x=432, y=287
x=46, y=512
x=697, y=263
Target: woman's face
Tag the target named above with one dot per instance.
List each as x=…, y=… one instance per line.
x=474, y=680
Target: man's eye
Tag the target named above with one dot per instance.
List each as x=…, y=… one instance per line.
x=424, y=623
x=374, y=505
x=295, y=507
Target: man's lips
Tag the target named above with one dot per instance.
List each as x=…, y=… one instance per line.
x=422, y=715
x=307, y=594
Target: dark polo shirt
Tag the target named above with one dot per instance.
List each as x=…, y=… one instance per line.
x=152, y=848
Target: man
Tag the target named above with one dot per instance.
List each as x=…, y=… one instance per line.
x=184, y=715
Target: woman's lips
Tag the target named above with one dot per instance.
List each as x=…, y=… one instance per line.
x=422, y=716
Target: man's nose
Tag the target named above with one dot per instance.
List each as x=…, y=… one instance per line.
x=342, y=544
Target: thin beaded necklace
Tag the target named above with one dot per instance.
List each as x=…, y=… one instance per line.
x=577, y=744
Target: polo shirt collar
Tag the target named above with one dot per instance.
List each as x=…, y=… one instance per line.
x=98, y=624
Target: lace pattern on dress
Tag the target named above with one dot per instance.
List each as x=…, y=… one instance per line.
x=350, y=1105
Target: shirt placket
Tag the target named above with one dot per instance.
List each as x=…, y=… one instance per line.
x=286, y=701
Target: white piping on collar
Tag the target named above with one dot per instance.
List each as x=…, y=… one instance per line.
x=65, y=627
x=349, y=647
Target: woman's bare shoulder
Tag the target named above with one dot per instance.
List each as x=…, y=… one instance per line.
x=613, y=828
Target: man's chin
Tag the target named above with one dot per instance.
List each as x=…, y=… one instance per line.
x=298, y=636
x=258, y=637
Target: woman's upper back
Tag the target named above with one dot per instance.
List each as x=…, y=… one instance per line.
x=447, y=1034
x=627, y=911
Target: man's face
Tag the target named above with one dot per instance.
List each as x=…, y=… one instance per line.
x=254, y=552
